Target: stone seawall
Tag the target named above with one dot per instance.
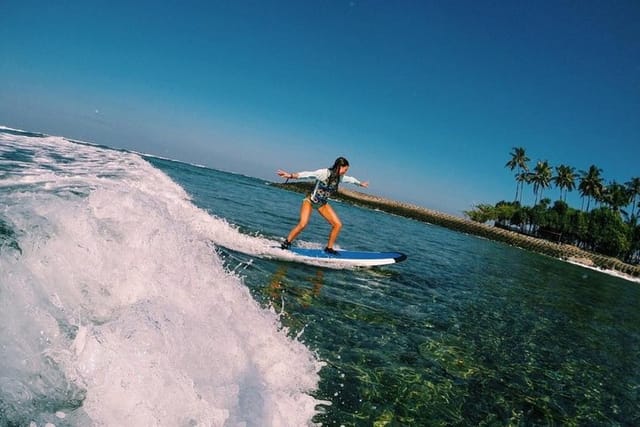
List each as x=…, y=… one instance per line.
x=556, y=250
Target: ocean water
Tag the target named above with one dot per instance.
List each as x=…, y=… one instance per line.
x=143, y=291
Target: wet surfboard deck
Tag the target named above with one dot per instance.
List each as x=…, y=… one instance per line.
x=352, y=258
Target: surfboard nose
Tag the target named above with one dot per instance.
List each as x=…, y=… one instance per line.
x=401, y=257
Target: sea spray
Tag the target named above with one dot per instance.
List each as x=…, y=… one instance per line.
x=116, y=310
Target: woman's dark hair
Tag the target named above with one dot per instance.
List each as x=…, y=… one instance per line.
x=334, y=176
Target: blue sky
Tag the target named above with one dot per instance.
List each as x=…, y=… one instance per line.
x=425, y=98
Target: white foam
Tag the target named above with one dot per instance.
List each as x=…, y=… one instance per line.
x=606, y=271
x=2, y=127
x=120, y=302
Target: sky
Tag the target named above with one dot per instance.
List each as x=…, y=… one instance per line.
x=425, y=98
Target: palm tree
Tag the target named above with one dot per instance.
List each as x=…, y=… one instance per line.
x=518, y=160
x=565, y=180
x=521, y=178
x=616, y=196
x=591, y=184
x=541, y=178
x=634, y=188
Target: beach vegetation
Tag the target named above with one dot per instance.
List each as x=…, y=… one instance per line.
x=591, y=186
x=540, y=178
x=483, y=213
x=634, y=189
x=565, y=180
x=606, y=222
x=519, y=162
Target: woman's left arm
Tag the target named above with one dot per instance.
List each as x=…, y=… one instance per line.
x=287, y=175
x=356, y=181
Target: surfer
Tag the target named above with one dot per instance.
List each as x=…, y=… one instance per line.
x=327, y=181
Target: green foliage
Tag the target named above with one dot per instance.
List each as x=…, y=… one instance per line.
x=519, y=161
x=607, y=233
x=565, y=180
x=541, y=177
x=504, y=211
x=482, y=213
x=616, y=196
x=601, y=230
x=591, y=185
x=577, y=227
x=633, y=255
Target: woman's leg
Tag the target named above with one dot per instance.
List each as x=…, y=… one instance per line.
x=305, y=213
x=336, y=225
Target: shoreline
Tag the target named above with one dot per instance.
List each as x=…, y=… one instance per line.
x=560, y=251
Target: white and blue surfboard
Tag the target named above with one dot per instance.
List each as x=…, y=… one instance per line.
x=349, y=258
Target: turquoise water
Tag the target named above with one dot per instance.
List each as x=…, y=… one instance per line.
x=465, y=332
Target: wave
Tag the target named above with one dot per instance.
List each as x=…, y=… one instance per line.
x=116, y=310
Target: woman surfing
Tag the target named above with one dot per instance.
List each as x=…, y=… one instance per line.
x=326, y=185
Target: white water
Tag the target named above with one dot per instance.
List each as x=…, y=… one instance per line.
x=117, y=311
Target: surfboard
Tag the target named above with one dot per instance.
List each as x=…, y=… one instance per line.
x=350, y=258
